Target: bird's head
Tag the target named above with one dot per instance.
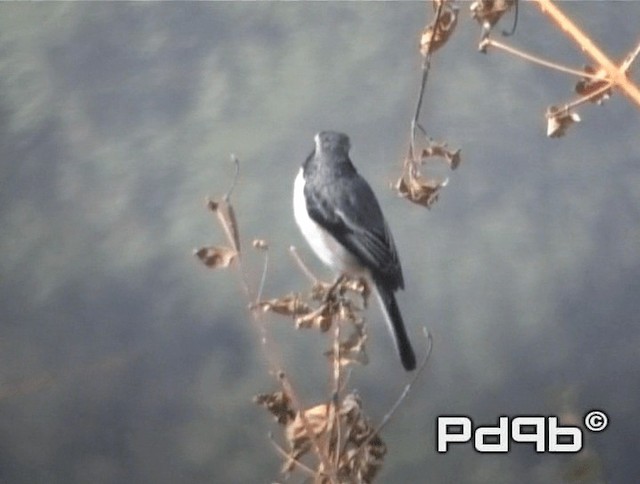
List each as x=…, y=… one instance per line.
x=332, y=142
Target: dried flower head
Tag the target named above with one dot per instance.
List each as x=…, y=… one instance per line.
x=558, y=120
x=216, y=257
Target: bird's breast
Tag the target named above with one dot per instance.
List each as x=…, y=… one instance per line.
x=325, y=246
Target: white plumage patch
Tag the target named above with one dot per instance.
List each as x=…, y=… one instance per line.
x=326, y=247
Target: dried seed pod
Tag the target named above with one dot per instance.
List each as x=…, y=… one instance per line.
x=559, y=120
x=216, y=257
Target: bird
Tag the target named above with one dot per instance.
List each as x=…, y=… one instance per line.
x=341, y=219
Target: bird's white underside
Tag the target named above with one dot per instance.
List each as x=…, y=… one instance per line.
x=327, y=248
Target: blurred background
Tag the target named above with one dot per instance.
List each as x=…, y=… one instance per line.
x=123, y=359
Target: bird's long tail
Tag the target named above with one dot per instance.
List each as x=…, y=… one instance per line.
x=396, y=327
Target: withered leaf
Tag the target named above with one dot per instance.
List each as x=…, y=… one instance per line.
x=347, y=311
x=364, y=450
x=558, y=120
x=216, y=257
x=434, y=37
x=352, y=350
x=454, y=158
x=351, y=406
x=320, y=290
x=360, y=287
x=419, y=190
x=289, y=305
x=323, y=291
x=590, y=87
x=278, y=404
x=316, y=420
x=320, y=318
x=489, y=12
x=361, y=450
x=440, y=150
x=227, y=217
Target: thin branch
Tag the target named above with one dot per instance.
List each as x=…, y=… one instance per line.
x=409, y=386
x=336, y=360
x=426, y=65
x=313, y=438
x=537, y=60
x=336, y=390
x=305, y=270
x=334, y=285
x=385, y=420
x=515, y=22
x=230, y=227
x=414, y=121
x=615, y=74
x=585, y=99
x=263, y=279
x=287, y=457
x=630, y=58
x=236, y=162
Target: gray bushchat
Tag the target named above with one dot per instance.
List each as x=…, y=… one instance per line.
x=341, y=219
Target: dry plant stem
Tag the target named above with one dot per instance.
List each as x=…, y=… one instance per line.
x=269, y=352
x=333, y=286
x=234, y=182
x=409, y=386
x=273, y=365
x=228, y=220
x=426, y=65
x=305, y=270
x=306, y=469
x=336, y=361
x=595, y=94
x=615, y=74
x=515, y=22
x=403, y=395
x=336, y=391
x=322, y=455
x=630, y=58
x=225, y=213
x=263, y=279
x=536, y=60
x=229, y=231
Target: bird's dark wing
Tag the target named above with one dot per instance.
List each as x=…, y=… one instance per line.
x=348, y=210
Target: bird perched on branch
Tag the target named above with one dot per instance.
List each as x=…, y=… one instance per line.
x=341, y=219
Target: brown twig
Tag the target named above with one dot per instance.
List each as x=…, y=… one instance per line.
x=585, y=99
x=626, y=64
x=305, y=270
x=385, y=420
x=537, y=60
x=337, y=364
x=263, y=278
x=409, y=386
x=236, y=162
x=426, y=66
x=615, y=74
x=321, y=453
x=287, y=457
